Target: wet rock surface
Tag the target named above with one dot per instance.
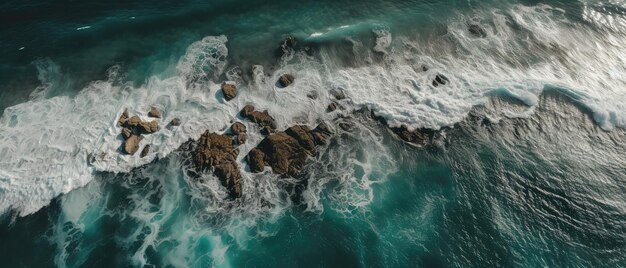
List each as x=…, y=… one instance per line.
x=286, y=152
x=262, y=119
x=229, y=90
x=154, y=112
x=476, y=30
x=145, y=151
x=134, y=128
x=175, y=122
x=131, y=145
x=285, y=80
x=440, y=80
x=218, y=153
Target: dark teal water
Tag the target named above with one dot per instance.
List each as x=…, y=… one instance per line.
x=544, y=187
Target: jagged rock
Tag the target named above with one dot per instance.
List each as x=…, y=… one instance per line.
x=267, y=130
x=286, y=152
x=286, y=80
x=131, y=145
x=145, y=151
x=150, y=127
x=126, y=133
x=175, y=122
x=229, y=90
x=154, y=112
x=477, y=30
x=345, y=126
x=237, y=128
x=262, y=119
x=440, y=79
x=256, y=160
x=331, y=107
x=415, y=136
x=218, y=152
x=123, y=118
x=338, y=93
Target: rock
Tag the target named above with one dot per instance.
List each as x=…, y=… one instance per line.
x=237, y=128
x=145, y=151
x=440, y=79
x=123, y=118
x=286, y=152
x=150, y=127
x=229, y=90
x=338, y=93
x=131, y=145
x=424, y=68
x=175, y=122
x=256, y=160
x=262, y=119
x=331, y=107
x=134, y=121
x=286, y=80
x=290, y=42
x=241, y=138
x=345, y=126
x=126, y=133
x=218, y=152
x=312, y=95
x=154, y=112
x=416, y=136
x=477, y=30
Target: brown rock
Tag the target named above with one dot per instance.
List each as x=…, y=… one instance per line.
x=217, y=152
x=229, y=90
x=286, y=80
x=145, y=151
x=134, y=121
x=150, y=127
x=131, y=145
x=256, y=160
x=262, y=119
x=287, y=152
x=241, y=138
x=416, y=136
x=126, y=133
x=237, y=128
x=154, y=112
x=175, y=122
x=332, y=107
x=123, y=118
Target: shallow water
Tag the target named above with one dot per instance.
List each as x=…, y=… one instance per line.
x=530, y=172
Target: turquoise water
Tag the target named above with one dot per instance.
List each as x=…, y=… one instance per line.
x=530, y=173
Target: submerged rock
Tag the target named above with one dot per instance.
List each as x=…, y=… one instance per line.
x=477, y=30
x=229, y=90
x=286, y=79
x=286, y=152
x=440, y=79
x=154, y=112
x=218, y=153
x=131, y=145
x=262, y=119
x=290, y=42
x=331, y=107
x=338, y=93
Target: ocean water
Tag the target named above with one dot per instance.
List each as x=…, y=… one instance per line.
x=529, y=172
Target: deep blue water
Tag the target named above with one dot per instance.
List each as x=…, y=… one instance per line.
x=521, y=180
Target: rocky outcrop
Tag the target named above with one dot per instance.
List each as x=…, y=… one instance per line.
x=286, y=152
x=229, y=90
x=154, y=112
x=285, y=80
x=262, y=119
x=440, y=79
x=134, y=128
x=417, y=136
x=218, y=153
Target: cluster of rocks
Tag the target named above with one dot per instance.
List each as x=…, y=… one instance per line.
x=262, y=119
x=339, y=95
x=218, y=153
x=286, y=152
x=134, y=128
